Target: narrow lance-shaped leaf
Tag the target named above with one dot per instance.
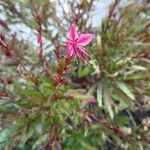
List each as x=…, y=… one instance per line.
x=126, y=90
x=42, y=139
x=100, y=95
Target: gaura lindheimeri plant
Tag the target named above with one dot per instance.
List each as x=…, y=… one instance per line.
x=76, y=42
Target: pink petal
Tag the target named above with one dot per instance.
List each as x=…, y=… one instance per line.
x=73, y=35
x=83, y=50
x=85, y=39
x=70, y=49
x=82, y=54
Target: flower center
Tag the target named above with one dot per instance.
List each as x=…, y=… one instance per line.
x=74, y=43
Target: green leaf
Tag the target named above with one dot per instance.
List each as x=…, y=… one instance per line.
x=46, y=88
x=108, y=105
x=110, y=110
x=9, y=106
x=41, y=140
x=5, y=135
x=84, y=71
x=99, y=95
x=26, y=135
x=138, y=76
x=137, y=67
x=120, y=120
x=120, y=96
x=126, y=90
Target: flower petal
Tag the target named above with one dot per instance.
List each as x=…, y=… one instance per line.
x=85, y=39
x=70, y=49
x=82, y=54
x=72, y=35
x=83, y=50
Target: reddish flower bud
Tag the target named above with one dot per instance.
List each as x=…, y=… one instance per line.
x=40, y=39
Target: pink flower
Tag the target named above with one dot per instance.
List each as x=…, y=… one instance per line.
x=75, y=44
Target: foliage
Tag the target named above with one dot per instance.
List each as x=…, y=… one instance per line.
x=50, y=101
